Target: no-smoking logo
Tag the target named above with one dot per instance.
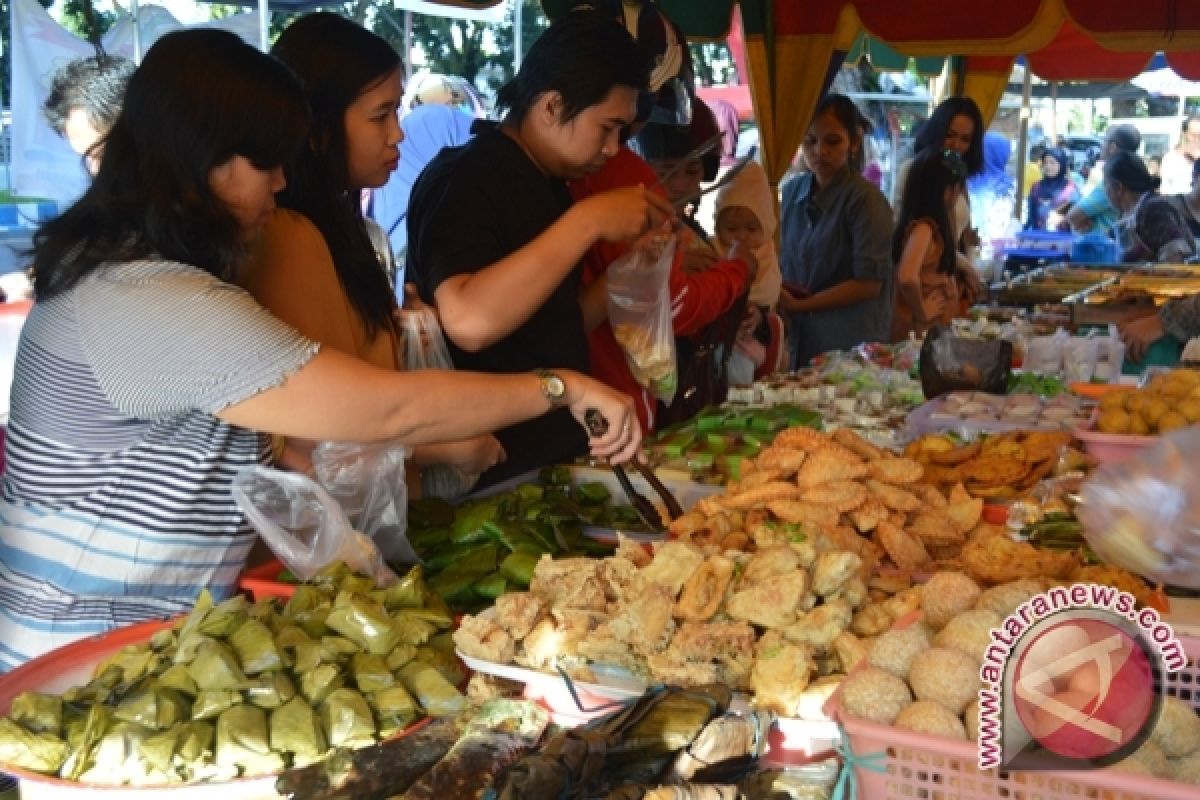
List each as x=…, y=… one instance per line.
x=1084, y=689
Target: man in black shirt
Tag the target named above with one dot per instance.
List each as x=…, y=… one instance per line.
x=494, y=241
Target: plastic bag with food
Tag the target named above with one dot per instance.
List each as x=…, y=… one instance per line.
x=368, y=481
x=304, y=525
x=424, y=347
x=1143, y=514
x=952, y=363
x=639, y=310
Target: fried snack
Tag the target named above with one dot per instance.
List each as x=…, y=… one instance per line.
x=896, y=471
x=704, y=641
x=761, y=495
x=785, y=459
x=993, y=558
x=673, y=564
x=964, y=514
x=923, y=449
x=703, y=592
x=755, y=479
x=841, y=496
x=850, y=440
x=736, y=541
x=958, y=494
x=568, y=583
x=991, y=492
x=871, y=620
x=781, y=674
x=481, y=637
x=771, y=604
x=867, y=516
x=929, y=495
x=803, y=513
x=1037, y=473
x=905, y=551
x=994, y=470
x=517, y=612
x=894, y=497
x=827, y=466
x=936, y=529
x=645, y=622
x=1044, y=445
x=833, y=569
x=1112, y=576
x=819, y=627
x=687, y=524
x=769, y=563
x=802, y=438
x=954, y=456
x=940, y=476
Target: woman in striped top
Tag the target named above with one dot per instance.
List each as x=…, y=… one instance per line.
x=144, y=374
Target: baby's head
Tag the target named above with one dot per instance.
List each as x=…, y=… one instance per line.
x=746, y=209
x=739, y=224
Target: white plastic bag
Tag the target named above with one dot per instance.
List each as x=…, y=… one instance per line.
x=304, y=525
x=368, y=481
x=1110, y=357
x=1144, y=514
x=639, y=310
x=1044, y=354
x=1079, y=359
x=425, y=348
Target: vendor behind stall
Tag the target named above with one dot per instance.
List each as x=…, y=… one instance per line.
x=1157, y=232
x=494, y=241
x=836, y=248
x=143, y=373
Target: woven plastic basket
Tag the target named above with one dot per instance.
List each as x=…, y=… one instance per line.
x=922, y=767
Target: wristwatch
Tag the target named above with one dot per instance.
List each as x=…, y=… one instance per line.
x=554, y=388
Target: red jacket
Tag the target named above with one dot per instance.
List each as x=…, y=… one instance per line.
x=696, y=299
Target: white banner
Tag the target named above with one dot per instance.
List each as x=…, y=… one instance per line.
x=43, y=165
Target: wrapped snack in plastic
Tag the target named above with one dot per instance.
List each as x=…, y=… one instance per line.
x=1143, y=514
x=639, y=310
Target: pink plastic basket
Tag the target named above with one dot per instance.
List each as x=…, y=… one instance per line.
x=1111, y=448
x=921, y=767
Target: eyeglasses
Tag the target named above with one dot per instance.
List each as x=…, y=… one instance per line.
x=952, y=161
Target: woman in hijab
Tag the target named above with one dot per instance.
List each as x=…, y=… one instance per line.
x=1052, y=194
x=427, y=129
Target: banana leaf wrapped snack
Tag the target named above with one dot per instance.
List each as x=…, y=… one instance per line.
x=238, y=689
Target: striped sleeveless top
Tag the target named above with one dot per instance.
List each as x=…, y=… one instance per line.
x=116, y=504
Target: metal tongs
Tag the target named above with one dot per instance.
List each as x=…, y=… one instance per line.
x=598, y=426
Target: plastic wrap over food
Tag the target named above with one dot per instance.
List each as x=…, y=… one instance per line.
x=951, y=363
x=304, y=525
x=1144, y=514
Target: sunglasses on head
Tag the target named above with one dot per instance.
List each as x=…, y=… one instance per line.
x=952, y=161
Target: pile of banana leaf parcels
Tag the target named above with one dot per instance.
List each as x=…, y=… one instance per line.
x=682, y=744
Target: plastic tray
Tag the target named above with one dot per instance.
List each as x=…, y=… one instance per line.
x=1111, y=448
x=920, y=423
x=922, y=766
x=73, y=665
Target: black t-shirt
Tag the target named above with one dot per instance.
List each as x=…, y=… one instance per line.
x=472, y=206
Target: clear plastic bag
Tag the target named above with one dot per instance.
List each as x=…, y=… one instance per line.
x=1144, y=515
x=368, y=481
x=639, y=310
x=304, y=525
x=425, y=348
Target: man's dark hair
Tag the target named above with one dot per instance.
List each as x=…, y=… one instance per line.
x=95, y=84
x=583, y=56
x=200, y=97
x=1126, y=137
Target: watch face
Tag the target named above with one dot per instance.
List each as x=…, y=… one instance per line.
x=555, y=387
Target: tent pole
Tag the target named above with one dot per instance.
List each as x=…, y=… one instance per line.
x=264, y=24
x=1023, y=140
x=408, y=43
x=1054, y=112
x=518, y=13
x=137, y=31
